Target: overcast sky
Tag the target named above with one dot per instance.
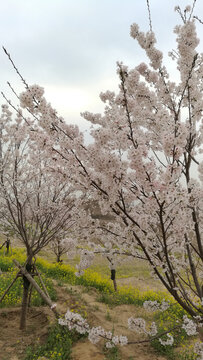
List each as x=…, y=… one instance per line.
x=70, y=47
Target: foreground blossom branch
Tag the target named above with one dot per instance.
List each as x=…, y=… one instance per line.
x=75, y=321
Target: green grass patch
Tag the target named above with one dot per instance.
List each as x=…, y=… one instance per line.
x=131, y=295
x=112, y=353
x=187, y=353
x=131, y=268
x=124, y=295
x=57, y=347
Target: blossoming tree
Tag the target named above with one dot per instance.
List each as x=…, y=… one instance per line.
x=144, y=165
x=147, y=169
x=37, y=204
x=60, y=246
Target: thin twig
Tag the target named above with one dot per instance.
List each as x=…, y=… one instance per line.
x=193, y=6
x=38, y=314
x=12, y=89
x=13, y=106
x=154, y=337
x=196, y=17
x=19, y=74
x=149, y=14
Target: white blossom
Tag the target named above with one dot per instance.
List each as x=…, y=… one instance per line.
x=155, y=306
x=198, y=349
x=137, y=324
x=169, y=341
x=189, y=326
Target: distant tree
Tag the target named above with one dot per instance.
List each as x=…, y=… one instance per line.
x=37, y=204
x=62, y=246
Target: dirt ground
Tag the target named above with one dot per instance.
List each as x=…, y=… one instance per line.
x=112, y=318
x=13, y=341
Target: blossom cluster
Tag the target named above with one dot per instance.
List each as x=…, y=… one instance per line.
x=96, y=333
x=74, y=321
x=77, y=322
x=86, y=259
x=29, y=99
x=169, y=341
x=155, y=305
x=139, y=325
x=147, y=41
x=189, y=326
x=198, y=349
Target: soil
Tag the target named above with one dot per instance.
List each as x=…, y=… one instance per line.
x=113, y=318
x=13, y=341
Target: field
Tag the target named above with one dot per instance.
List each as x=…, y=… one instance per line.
x=92, y=296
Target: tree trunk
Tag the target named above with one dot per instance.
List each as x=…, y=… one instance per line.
x=7, y=246
x=30, y=295
x=36, y=286
x=115, y=285
x=113, y=278
x=26, y=286
x=24, y=308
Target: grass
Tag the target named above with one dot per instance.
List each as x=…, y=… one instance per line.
x=125, y=294
x=130, y=268
x=57, y=347
x=187, y=353
x=112, y=354
x=130, y=295
x=108, y=316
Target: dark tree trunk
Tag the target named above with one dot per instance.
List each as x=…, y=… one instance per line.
x=25, y=299
x=30, y=295
x=7, y=246
x=113, y=278
x=115, y=285
x=24, y=309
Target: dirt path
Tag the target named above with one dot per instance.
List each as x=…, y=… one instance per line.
x=99, y=314
x=13, y=342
